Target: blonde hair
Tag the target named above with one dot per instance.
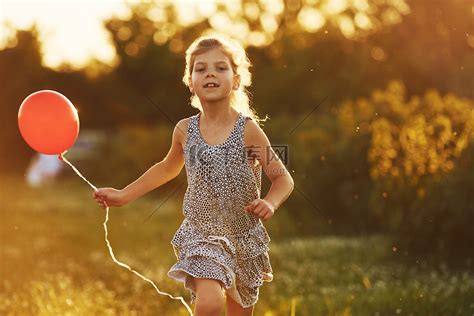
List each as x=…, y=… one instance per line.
x=240, y=63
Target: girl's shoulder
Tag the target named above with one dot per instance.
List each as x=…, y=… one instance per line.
x=181, y=129
x=253, y=133
x=184, y=123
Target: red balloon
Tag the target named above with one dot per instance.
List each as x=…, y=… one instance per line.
x=48, y=122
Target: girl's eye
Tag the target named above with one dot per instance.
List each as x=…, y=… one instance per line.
x=219, y=68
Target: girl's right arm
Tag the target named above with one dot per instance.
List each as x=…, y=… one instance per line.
x=157, y=175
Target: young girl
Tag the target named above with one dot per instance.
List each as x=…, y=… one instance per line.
x=222, y=245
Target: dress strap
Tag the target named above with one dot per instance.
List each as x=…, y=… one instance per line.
x=192, y=126
x=241, y=125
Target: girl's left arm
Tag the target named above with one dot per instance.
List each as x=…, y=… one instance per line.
x=258, y=146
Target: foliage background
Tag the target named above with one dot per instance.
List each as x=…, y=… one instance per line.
x=378, y=117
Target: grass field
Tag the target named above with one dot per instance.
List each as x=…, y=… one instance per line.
x=54, y=261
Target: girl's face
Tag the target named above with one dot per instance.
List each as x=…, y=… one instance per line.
x=213, y=66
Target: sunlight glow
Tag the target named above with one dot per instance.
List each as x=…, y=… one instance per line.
x=361, y=5
x=157, y=14
x=346, y=25
x=311, y=19
x=269, y=23
x=257, y=38
x=335, y=6
x=220, y=21
x=188, y=12
x=70, y=31
x=251, y=11
x=240, y=30
x=362, y=21
x=391, y=16
x=274, y=7
x=207, y=8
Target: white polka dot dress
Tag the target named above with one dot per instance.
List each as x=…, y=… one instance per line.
x=218, y=239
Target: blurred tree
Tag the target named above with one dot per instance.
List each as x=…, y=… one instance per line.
x=280, y=38
x=21, y=69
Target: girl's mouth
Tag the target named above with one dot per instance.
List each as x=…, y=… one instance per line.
x=210, y=85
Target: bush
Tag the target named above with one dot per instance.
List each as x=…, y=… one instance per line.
x=392, y=165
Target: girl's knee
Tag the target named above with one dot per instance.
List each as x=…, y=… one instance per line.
x=235, y=309
x=208, y=305
x=209, y=297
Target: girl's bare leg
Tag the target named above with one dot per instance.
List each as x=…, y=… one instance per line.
x=209, y=297
x=234, y=308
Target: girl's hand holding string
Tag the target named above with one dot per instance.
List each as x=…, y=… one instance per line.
x=109, y=197
x=261, y=208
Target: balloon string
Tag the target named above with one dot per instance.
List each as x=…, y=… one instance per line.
x=61, y=157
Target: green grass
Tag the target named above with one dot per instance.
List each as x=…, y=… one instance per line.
x=54, y=261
